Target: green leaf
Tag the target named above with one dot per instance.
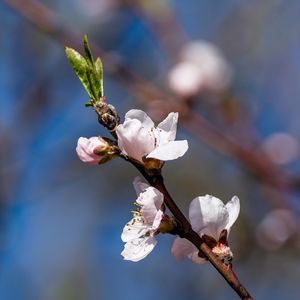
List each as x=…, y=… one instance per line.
x=90, y=73
x=95, y=71
x=89, y=103
x=94, y=82
x=99, y=73
x=88, y=52
x=80, y=66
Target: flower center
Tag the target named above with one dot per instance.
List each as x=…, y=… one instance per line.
x=223, y=252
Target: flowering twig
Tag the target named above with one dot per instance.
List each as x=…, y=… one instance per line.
x=187, y=232
x=147, y=147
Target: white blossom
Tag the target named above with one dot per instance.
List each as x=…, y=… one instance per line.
x=139, y=232
x=208, y=216
x=140, y=139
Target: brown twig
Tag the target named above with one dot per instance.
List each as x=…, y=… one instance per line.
x=45, y=19
x=157, y=181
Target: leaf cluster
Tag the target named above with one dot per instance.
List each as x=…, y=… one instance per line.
x=89, y=72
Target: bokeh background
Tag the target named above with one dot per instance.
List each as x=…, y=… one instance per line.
x=61, y=220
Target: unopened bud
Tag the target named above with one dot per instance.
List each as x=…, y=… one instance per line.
x=107, y=115
x=95, y=150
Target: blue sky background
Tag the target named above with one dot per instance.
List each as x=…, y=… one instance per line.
x=61, y=220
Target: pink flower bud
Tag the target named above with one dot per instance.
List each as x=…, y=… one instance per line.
x=91, y=150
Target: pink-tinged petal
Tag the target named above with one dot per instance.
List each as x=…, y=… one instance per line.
x=166, y=130
x=133, y=230
x=157, y=220
x=86, y=149
x=183, y=247
x=233, y=209
x=138, y=249
x=195, y=258
x=208, y=215
x=141, y=116
x=134, y=140
x=139, y=185
x=150, y=201
x=151, y=197
x=169, y=151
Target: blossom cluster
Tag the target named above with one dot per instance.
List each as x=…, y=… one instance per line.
x=139, y=139
x=208, y=215
x=149, y=145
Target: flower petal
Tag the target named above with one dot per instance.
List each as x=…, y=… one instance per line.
x=139, y=185
x=169, y=151
x=208, y=215
x=183, y=247
x=166, y=130
x=133, y=230
x=141, y=116
x=195, y=258
x=233, y=209
x=157, y=220
x=134, y=140
x=138, y=249
x=150, y=201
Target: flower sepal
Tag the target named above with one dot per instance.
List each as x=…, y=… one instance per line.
x=152, y=164
x=167, y=225
x=209, y=241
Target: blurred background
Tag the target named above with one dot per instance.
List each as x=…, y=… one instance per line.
x=232, y=70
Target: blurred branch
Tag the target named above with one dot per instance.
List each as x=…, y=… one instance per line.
x=161, y=20
x=254, y=161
